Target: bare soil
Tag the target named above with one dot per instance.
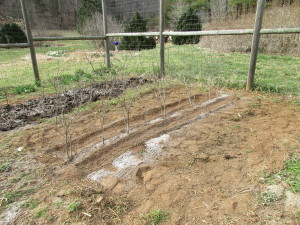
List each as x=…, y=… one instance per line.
x=202, y=164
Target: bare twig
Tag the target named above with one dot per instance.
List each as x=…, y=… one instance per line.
x=161, y=95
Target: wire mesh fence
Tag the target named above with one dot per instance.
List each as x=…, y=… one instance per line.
x=212, y=60
x=135, y=55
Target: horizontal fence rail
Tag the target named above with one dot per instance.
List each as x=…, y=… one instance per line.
x=69, y=38
x=25, y=45
x=232, y=32
x=135, y=34
x=168, y=33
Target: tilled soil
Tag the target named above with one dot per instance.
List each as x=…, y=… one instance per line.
x=209, y=170
x=18, y=115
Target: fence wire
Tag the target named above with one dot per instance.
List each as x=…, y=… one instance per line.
x=134, y=55
x=15, y=64
x=212, y=60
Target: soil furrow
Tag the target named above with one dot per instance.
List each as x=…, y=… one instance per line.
x=104, y=155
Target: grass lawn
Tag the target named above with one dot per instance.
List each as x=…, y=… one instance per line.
x=275, y=74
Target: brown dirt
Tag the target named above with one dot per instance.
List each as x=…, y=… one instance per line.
x=209, y=172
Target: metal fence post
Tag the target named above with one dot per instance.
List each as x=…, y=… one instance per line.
x=161, y=38
x=255, y=43
x=106, y=41
x=30, y=42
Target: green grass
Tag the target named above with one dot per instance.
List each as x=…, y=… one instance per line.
x=274, y=74
x=24, y=89
x=290, y=174
x=155, y=216
x=15, y=195
x=31, y=204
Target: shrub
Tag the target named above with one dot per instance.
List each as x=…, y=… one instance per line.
x=137, y=24
x=189, y=21
x=12, y=33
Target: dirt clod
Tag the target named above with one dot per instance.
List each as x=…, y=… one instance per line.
x=203, y=157
x=227, y=156
x=143, y=174
x=109, y=182
x=292, y=202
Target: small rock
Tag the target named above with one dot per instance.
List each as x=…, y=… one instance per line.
x=276, y=189
x=61, y=193
x=262, y=180
x=99, y=199
x=109, y=182
x=292, y=202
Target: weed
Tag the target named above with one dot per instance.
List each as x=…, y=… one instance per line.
x=190, y=163
x=40, y=213
x=268, y=198
x=255, y=105
x=155, y=216
x=57, y=205
x=116, y=204
x=271, y=179
x=15, y=195
x=32, y=204
x=73, y=206
x=5, y=167
x=276, y=100
x=113, y=101
x=24, y=89
x=295, y=103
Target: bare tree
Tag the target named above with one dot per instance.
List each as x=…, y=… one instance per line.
x=126, y=101
x=64, y=123
x=161, y=94
x=188, y=83
x=179, y=7
x=94, y=27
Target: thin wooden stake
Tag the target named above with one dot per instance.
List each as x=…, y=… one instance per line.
x=30, y=42
x=255, y=44
x=106, y=41
x=161, y=38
